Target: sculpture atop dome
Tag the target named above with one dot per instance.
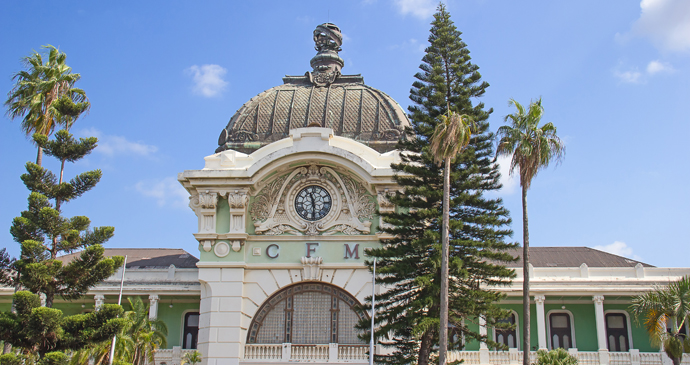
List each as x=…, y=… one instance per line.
x=326, y=64
x=322, y=97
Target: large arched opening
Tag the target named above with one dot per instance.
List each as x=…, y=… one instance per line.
x=307, y=314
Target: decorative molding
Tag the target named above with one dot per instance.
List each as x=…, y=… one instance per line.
x=311, y=269
x=207, y=245
x=208, y=200
x=385, y=205
x=353, y=208
x=237, y=245
x=238, y=200
x=540, y=299
x=221, y=249
x=598, y=299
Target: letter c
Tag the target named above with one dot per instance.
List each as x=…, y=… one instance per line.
x=268, y=250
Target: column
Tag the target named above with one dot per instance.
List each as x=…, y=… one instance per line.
x=99, y=299
x=601, y=329
x=153, y=306
x=222, y=326
x=541, y=321
x=483, y=350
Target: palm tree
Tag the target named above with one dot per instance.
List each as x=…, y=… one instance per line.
x=45, y=96
x=143, y=336
x=451, y=135
x=532, y=148
x=666, y=305
x=191, y=358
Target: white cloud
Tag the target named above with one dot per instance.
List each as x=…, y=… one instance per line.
x=167, y=192
x=422, y=9
x=208, y=79
x=619, y=248
x=111, y=145
x=632, y=76
x=510, y=183
x=666, y=23
x=658, y=66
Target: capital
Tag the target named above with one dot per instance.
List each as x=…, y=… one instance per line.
x=540, y=299
x=598, y=299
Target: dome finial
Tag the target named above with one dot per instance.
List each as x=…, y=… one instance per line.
x=326, y=64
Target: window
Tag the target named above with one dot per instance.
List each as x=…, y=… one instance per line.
x=683, y=330
x=307, y=314
x=507, y=337
x=190, y=332
x=617, y=332
x=561, y=330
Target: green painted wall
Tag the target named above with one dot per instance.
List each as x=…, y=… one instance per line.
x=583, y=320
x=174, y=316
x=222, y=216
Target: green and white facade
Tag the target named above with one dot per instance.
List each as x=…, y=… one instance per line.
x=286, y=209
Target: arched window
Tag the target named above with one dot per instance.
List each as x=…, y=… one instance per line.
x=617, y=332
x=561, y=330
x=306, y=314
x=507, y=337
x=190, y=331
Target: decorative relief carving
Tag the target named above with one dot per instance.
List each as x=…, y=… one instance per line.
x=221, y=249
x=237, y=200
x=311, y=269
x=273, y=208
x=208, y=200
x=385, y=204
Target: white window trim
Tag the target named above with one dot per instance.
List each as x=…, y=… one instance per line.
x=182, y=326
x=627, y=318
x=548, y=327
x=517, y=330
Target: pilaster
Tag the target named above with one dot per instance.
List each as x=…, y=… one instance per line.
x=541, y=321
x=99, y=299
x=153, y=306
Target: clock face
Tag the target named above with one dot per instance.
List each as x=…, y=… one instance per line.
x=313, y=203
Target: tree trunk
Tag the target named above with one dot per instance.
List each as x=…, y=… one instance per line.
x=443, y=332
x=525, y=282
x=39, y=156
x=49, y=300
x=425, y=348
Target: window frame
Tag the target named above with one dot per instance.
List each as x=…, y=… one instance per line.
x=628, y=323
x=517, y=331
x=549, y=340
x=182, y=327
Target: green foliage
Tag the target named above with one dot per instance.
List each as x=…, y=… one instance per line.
x=43, y=330
x=558, y=356
x=136, y=344
x=191, y=358
x=666, y=305
x=54, y=358
x=15, y=359
x=44, y=233
x=409, y=264
x=44, y=94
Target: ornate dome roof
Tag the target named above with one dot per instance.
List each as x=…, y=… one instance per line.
x=321, y=98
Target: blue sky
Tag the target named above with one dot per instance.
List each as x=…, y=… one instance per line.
x=165, y=77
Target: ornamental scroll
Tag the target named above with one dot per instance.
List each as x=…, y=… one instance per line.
x=353, y=206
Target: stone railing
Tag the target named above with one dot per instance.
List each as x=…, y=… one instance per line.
x=171, y=356
x=286, y=352
x=514, y=357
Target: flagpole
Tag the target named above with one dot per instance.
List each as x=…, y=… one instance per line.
x=119, y=302
x=373, y=312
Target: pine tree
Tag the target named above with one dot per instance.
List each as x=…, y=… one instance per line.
x=44, y=233
x=409, y=263
x=45, y=332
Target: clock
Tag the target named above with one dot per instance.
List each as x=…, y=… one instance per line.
x=313, y=203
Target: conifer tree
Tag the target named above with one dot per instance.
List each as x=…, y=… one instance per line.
x=409, y=263
x=45, y=332
x=44, y=233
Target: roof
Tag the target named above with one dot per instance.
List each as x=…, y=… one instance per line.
x=323, y=97
x=148, y=257
x=572, y=257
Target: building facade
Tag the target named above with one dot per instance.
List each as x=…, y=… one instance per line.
x=287, y=208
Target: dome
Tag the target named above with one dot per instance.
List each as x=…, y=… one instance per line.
x=320, y=98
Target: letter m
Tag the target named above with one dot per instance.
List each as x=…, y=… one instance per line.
x=349, y=253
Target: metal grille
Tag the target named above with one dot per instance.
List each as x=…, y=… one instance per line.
x=306, y=314
x=274, y=323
